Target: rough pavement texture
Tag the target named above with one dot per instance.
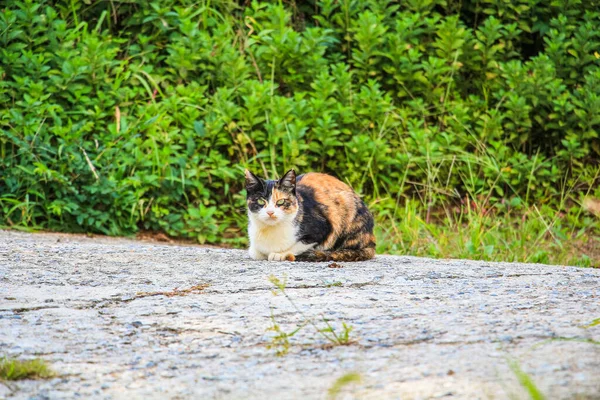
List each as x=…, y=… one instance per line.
x=423, y=328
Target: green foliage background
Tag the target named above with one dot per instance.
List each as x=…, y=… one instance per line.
x=132, y=115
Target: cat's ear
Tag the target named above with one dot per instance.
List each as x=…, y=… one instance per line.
x=288, y=181
x=253, y=182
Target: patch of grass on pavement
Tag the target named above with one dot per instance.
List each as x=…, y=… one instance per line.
x=13, y=370
x=280, y=340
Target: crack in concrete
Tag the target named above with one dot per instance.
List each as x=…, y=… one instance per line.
x=196, y=289
x=297, y=287
x=19, y=310
x=435, y=276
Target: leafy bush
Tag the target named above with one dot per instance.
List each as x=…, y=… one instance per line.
x=124, y=116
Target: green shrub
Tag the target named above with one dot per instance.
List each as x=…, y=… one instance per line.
x=127, y=116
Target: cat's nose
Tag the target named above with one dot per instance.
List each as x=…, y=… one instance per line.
x=270, y=213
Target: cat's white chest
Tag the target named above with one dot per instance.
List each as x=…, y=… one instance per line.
x=272, y=239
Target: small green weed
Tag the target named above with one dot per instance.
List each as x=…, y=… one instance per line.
x=595, y=322
x=280, y=341
x=343, y=338
x=526, y=381
x=342, y=382
x=13, y=370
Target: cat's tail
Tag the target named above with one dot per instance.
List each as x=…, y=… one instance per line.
x=337, y=255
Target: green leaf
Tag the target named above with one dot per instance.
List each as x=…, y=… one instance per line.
x=199, y=128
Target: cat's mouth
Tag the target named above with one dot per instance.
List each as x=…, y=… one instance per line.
x=270, y=220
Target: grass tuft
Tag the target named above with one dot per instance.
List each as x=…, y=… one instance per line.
x=341, y=382
x=14, y=370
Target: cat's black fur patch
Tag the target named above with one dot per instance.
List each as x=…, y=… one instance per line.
x=314, y=226
x=258, y=189
x=287, y=183
x=364, y=216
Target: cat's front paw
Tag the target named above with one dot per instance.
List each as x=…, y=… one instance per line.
x=281, y=257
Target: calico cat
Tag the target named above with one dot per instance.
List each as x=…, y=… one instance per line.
x=312, y=217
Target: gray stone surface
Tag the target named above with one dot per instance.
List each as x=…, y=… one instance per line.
x=423, y=328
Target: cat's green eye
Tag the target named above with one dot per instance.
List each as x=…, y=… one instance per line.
x=262, y=202
x=280, y=202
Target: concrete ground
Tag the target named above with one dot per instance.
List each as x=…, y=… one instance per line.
x=123, y=319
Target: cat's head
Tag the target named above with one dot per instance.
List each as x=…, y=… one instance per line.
x=271, y=202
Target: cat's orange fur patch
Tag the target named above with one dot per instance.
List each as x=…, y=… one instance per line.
x=340, y=203
x=337, y=197
x=279, y=195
